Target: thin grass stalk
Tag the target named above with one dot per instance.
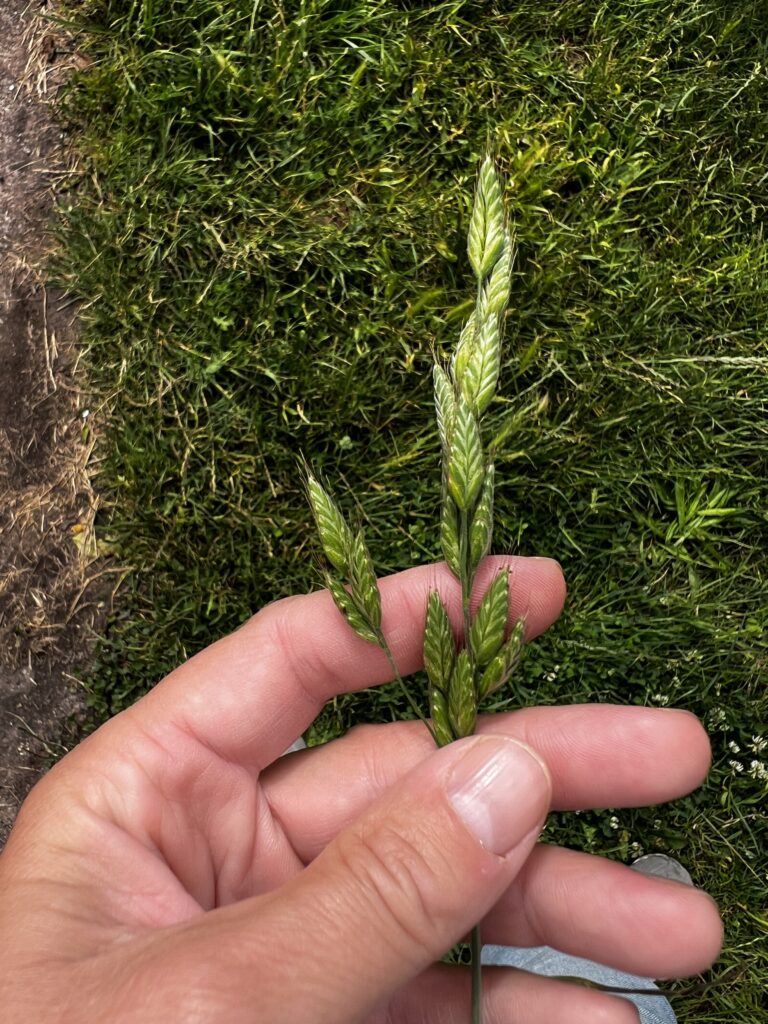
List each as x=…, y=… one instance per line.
x=458, y=679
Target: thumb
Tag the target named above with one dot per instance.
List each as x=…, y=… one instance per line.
x=393, y=892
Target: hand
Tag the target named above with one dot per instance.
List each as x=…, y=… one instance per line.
x=174, y=868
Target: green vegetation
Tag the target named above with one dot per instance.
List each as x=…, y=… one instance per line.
x=268, y=237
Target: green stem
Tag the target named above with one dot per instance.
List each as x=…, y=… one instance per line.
x=404, y=689
x=465, y=556
x=476, y=946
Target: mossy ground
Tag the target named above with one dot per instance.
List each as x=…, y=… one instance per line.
x=268, y=240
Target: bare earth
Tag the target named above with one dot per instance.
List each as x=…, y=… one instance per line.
x=46, y=504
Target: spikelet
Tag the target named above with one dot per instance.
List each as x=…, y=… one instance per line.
x=464, y=349
x=351, y=611
x=496, y=292
x=486, y=226
x=462, y=699
x=466, y=470
x=487, y=633
x=503, y=664
x=449, y=535
x=481, y=530
x=439, y=644
x=445, y=406
x=335, y=536
x=441, y=723
x=362, y=580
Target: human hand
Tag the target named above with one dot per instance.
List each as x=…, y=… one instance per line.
x=174, y=868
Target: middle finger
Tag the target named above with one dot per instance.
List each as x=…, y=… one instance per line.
x=598, y=756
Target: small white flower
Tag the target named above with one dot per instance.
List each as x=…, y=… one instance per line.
x=758, y=744
x=737, y=766
x=734, y=747
x=717, y=718
x=613, y=821
x=660, y=698
x=758, y=771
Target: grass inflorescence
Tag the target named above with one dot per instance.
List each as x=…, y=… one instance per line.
x=268, y=237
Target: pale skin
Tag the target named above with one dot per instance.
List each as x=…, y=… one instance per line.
x=174, y=868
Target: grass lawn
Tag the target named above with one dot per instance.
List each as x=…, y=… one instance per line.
x=268, y=238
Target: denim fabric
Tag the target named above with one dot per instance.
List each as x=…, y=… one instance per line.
x=547, y=961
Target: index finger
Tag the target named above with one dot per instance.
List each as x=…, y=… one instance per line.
x=248, y=696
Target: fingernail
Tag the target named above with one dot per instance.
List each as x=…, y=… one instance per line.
x=500, y=790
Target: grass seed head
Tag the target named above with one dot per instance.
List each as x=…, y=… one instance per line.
x=349, y=608
x=445, y=406
x=478, y=382
x=466, y=470
x=462, y=699
x=496, y=292
x=481, y=530
x=486, y=226
x=438, y=711
x=449, y=534
x=463, y=352
x=490, y=621
x=439, y=644
x=362, y=578
x=503, y=664
x=335, y=536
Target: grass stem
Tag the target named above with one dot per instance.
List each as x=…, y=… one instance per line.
x=476, y=946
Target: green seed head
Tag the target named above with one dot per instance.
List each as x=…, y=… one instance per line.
x=481, y=530
x=466, y=469
x=335, y=536
x=439, y=644
x=501, y=667
x=445, y=406
x=464, y=348
x=441, y=723
x=462, y=703
x=362, y=578
x=349, y=608
x=490, y=622
x=449, y=534
x=496, y=293
x=486, y=226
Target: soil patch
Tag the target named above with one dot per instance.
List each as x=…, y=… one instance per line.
x=47, y=547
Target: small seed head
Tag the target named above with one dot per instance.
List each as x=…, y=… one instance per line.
x=466, y=470
x=441, y=723
x=449, y=534
x=486, y=226
x=349, y=608
x=362, y=578
x=481, y=530
x=439, y=644
x=335, y=536
x=445, y=406
x=462, y=703
x=490, y=621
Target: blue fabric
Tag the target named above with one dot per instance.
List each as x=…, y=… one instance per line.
x=544, y=960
